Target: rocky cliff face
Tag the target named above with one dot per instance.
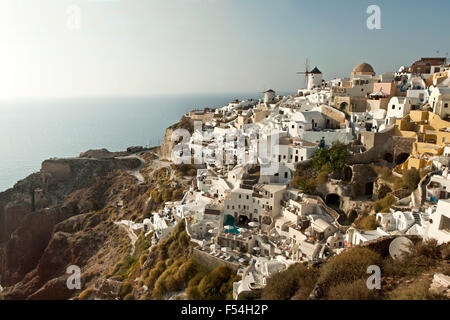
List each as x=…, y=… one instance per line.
x=59, y=217
x=167, y=144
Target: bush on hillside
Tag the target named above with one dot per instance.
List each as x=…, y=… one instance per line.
x=383, y=205
x=296, y=282
x=356, y=290
x=366, y=223
x=348, y=266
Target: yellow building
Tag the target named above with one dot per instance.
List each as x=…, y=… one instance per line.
x=431, y=133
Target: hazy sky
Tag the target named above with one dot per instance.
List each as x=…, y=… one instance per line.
x=144, y=47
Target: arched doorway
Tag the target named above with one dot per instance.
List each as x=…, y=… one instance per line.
x=388, y=157
x=368, y=188
x=343, y=106
x=401, y=158
x=348, y=173
x=333, y=200
x=243, y=219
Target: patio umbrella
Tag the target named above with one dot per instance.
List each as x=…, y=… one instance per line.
x=256, y=248
x=253, y=224
x=211, y=231
x=242, y=229
x=241, y=260
x=228, y=227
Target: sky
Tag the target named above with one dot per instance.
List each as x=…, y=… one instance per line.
x=82, y=48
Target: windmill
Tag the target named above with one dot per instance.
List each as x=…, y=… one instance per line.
x=306, y=72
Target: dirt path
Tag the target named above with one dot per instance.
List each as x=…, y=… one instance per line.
x=131, y=235
x=136, y=172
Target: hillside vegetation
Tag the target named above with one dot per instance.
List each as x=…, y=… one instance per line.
x=344, y=276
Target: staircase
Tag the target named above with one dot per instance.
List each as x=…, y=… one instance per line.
x=417, y=218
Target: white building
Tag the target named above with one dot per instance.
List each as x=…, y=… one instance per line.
x=417, y=92
x=269, y=96
x=314, y=79
x=255, y=276
x=398, y=108
x=251, y=204
x=354, y=237
x=439, y=227
x=438, y=187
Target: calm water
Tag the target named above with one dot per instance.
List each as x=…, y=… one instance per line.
x=31, y=132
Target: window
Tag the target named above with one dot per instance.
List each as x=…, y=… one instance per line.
x=228, y=206
x=293, y=126
x=446, y=105
x=285, y=175
x=393, y=107
x=445, y=224
x=240, y=196
x=247, y=197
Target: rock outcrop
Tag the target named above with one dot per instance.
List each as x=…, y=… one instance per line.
x=57, y=218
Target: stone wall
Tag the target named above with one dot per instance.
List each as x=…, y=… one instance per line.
x=402, y=145
x=363, y=177
x=210, y=261
x=56, y=170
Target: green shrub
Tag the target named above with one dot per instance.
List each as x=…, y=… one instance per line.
x=307, y=185
x=296, y=282
x=322, y=176
x=216, y=285
x=383, y=205
x=348, y=266
x=366, y=223
x=411, y=179
x=334, y=157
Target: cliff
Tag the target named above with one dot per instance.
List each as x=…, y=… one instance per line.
x=32, y=213
x=65, y=215
x=167, y=145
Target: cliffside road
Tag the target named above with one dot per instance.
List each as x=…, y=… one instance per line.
x=136, y=172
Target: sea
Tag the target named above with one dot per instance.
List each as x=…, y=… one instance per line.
x=33, y=131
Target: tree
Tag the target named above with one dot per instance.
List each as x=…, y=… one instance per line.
x=334, y=157
x=411, y=179
x=367, y=223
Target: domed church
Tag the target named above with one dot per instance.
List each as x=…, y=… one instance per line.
x=362, y=69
